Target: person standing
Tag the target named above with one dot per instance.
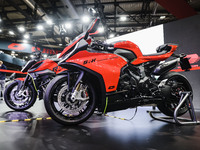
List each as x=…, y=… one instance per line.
x=2, y=79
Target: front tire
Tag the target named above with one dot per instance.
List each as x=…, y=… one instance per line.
x=178, y=83
x=22, y=102
x=62, y=108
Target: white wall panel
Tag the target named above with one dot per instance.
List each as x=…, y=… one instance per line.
x=147, y=40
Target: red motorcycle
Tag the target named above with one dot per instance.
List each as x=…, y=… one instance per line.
x=22, y=93
x=113, y=77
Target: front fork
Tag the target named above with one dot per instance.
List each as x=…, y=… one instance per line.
x=22, y=84
x=76, y=87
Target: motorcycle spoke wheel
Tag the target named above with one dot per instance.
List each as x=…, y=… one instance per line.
x=178, y=83
x=66, y=111
x=175, y=97
x=19, y=101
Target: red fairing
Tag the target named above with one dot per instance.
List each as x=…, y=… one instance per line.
x=106, y=64
x=67, y=49
x=49, y=64
x=140, y=57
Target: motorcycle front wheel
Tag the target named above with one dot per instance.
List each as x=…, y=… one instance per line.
x=19, y=101
x=65, y=110
x=178, y=83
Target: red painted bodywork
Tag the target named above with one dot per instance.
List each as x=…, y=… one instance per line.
x=109, y=65
x=48, y=64
x=140, y=57
x=106, y=64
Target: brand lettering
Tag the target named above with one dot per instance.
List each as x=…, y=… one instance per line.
x=89, y=61
x=57, y=68
x=16, y=46
x=111, y=87
x=19, y=47
x=193, y=58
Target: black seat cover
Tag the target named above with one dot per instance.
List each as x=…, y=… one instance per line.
x=164, y=47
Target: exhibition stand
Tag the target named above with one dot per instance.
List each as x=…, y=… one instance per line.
x=185, y=99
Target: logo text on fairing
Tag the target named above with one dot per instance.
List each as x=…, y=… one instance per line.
x=89, y=61
x=57, y=68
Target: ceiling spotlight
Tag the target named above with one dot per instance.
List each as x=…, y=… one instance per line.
x=123, y=18
x=26, y=36
x=49, y=22
x=45, y=55
x=162, y=17
x=111, y=35
x=40, y=27
x=31, y=56
x=60, y=44
x=101, y=29
x=85, y=19
x=21, y=28
x=0, y=30
x=68, y=25
x=11, y=33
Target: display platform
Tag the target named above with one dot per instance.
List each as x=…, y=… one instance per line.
x=99, y=132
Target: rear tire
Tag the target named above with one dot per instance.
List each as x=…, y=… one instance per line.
x=19, y=103
x=62, y=109
x=177, y=83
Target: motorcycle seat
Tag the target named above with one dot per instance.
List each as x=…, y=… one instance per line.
x=162, y=49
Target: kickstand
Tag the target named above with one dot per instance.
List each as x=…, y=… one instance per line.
x=185, y=97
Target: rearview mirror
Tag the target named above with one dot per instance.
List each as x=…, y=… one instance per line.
x=92, y=11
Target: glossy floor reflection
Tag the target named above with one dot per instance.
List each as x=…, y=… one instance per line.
x=98, y=133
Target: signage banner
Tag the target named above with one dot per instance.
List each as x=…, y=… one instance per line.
x=26, y=48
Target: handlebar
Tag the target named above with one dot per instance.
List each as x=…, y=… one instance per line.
x=99, y=45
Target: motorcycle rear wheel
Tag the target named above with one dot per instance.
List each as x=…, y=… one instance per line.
x=62, y=109
x=19, y=103
x=178, y=83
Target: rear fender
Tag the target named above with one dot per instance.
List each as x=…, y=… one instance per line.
x=93, y=77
